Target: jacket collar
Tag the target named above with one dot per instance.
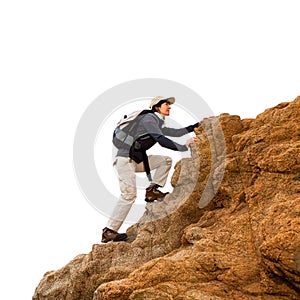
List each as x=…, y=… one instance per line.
x=159, y=116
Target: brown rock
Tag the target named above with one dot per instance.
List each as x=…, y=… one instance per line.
x=244, y=241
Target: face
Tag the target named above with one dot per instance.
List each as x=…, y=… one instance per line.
x=164, y=109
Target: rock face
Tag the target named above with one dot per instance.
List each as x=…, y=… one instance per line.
x=229, y=230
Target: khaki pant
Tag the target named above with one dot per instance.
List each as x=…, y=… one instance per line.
x=126, y=169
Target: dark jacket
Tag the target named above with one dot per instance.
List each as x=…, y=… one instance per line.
x=151, y=130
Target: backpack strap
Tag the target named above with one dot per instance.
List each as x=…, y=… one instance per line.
x=146, y=165
x=144, y=154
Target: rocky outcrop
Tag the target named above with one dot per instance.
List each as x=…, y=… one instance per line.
x=229, y=230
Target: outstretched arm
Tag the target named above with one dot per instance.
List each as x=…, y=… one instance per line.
x=151, y=126
x=167, y=143
x=179, y=131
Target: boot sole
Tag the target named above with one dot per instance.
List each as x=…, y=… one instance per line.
x=156, y=198
x=119, y=238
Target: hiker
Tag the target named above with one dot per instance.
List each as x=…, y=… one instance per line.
x=151, y=130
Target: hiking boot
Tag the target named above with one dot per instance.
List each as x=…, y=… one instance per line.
x=111, y=235
x=153, y=193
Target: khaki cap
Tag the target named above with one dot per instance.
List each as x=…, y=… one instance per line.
x=157, y=99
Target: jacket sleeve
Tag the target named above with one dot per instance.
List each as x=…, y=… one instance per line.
x=151, y=125
x=167, y=143
x=180, y=131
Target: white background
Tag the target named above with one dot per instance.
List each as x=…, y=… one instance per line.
x=58, y=56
